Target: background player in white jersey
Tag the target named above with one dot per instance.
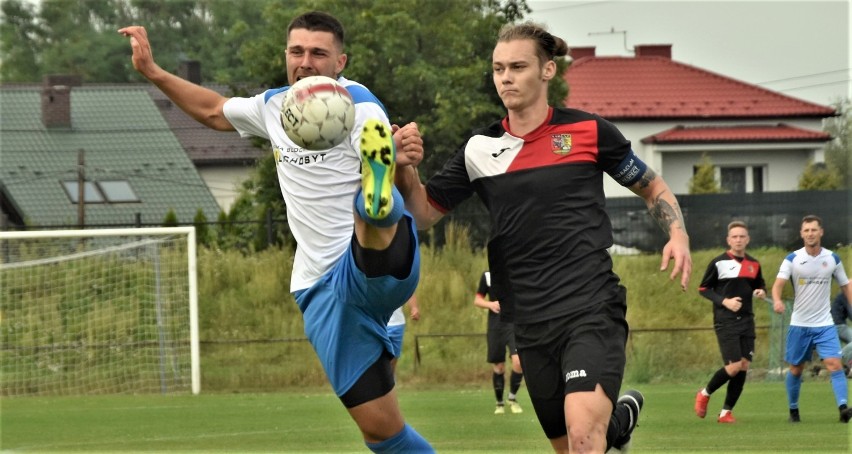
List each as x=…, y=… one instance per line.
x=396, y=326
x=355, y=263
x=810, y=270
x=500, y=337
x=539, y=171
x=730, y=281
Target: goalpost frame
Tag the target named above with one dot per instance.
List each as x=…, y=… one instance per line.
x=189, y=231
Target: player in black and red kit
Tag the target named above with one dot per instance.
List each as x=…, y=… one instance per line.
x=730, y=282
x=539, y=172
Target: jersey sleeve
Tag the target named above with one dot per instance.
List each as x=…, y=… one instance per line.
x=708, y=284
x=451, y=186
x=839, y=271
x=246, y=114
x=786, y=269
x=483, y=285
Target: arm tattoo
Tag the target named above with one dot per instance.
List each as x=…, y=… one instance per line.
x=666, y=215
x=647, y=178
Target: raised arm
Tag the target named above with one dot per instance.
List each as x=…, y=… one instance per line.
x=202, y=104
x=665, y=211
x=408, y=156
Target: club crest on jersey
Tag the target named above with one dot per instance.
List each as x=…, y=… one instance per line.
x=560, y=144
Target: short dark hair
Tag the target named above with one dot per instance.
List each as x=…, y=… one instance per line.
x=548, y=47
x=812, y=218
x=320, y=22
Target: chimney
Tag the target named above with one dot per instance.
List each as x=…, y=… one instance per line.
x=190, y=70
x=654, y=50
x=56, y=100
x=581, y=52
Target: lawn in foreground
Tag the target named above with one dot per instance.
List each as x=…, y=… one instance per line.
x=454, y=420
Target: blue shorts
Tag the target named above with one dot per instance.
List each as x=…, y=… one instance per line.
x=346, y=315
x=801, y=341
x=396, y=332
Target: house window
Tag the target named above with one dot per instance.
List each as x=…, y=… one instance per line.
x=733, y=179
x=743, y=179
x=101, y=191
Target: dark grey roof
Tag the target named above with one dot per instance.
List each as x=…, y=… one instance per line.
x=204, y=145
x=124, y=138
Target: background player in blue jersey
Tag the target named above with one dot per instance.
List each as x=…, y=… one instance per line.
x=729, y=283
x=500, y=337
x=810, y=270
x=539, y=172
x=355, y=263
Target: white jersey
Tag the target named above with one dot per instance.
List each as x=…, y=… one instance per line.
x=319, y=187
x=397, y=318
x=811, y=279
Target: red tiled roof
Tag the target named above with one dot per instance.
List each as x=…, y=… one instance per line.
x=656, y=87
x=739, y=134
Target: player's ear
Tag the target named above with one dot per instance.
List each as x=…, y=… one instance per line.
x=341, y=63
x=549, y=70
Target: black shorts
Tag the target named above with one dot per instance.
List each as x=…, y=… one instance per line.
x=736, y=340
x=573, y=354
x=500, y=336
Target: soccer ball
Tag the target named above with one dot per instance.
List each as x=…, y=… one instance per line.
x=317, y=113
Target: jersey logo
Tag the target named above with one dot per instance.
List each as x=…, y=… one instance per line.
x=560, y=144
x=575, y=374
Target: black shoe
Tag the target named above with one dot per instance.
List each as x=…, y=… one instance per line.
x=794, y=415
x=845, y=415
x=632, y=400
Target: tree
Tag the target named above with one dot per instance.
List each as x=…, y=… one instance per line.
x=819, y=177
x=704, y=179
x=838, y=152
x=20, y=37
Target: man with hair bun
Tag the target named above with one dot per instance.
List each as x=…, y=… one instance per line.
x=539, y=171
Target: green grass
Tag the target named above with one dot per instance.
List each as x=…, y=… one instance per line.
x=455, y=420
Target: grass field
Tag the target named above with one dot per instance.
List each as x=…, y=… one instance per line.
x=455, y=420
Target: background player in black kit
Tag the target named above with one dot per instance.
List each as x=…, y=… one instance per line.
x=539, y=171
x=730, y=282
x=500, y=337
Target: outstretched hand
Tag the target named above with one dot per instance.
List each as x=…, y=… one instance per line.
x=678, y=249
x=409, y=144
x=143, y=57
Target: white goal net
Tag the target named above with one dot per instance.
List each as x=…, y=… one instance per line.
x=98, y=312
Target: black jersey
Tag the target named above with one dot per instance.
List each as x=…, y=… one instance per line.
x=484, y=289
x=728, y=276
x=547, y=251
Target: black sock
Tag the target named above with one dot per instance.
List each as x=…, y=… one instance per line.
x=735, y=389
x=515, y=382
x=499, y=383
x=719, y=378
x=394, y=261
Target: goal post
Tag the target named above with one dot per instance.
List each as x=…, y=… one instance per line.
x=99, y=311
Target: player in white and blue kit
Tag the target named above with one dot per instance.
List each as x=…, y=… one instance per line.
x=810, y=270
x=357, y=258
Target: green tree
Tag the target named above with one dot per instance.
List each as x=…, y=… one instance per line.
x=703, y=181
x=819, y=177
x=171, y=219
x=20, y=42
x=203, y=235
x=838, y=152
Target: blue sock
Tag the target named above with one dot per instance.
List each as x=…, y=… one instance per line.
x=391, y=219
x=838, y=384
x=407, y=440
x=794, y=384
